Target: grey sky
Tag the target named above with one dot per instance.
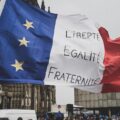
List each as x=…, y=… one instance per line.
x=105, y=12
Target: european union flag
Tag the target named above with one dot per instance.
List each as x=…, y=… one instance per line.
x=26, y=35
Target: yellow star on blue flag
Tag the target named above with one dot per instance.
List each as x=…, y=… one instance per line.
x=23, y=42
x=17, y=65
x=28, y=24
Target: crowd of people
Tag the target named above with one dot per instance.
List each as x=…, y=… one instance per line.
x=93, y=117
x=60, y=116
x=51, y=116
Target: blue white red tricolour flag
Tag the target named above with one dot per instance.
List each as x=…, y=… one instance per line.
x=43, y=48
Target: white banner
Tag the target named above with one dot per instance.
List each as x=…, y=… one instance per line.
x=77, y=53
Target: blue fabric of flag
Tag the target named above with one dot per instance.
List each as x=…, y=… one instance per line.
x=26, y=37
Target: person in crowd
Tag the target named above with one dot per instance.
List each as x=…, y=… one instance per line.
x=59, y=116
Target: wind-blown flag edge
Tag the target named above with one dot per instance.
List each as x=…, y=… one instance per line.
x=111, y=75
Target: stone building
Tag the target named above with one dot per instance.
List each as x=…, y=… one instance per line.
x=105, y=103
x=27, y=96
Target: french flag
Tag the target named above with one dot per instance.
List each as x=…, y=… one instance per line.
x=44, y=48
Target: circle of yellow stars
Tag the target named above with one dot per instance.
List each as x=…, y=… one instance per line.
x=22, y=42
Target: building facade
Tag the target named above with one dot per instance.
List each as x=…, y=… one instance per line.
x=105, y=103
x=27, y=96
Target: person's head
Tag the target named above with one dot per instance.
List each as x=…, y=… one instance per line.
x=19, y=118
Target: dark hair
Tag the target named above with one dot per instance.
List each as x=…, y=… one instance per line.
x=19, y=118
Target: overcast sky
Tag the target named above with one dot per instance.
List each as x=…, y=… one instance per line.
x=105, y=12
